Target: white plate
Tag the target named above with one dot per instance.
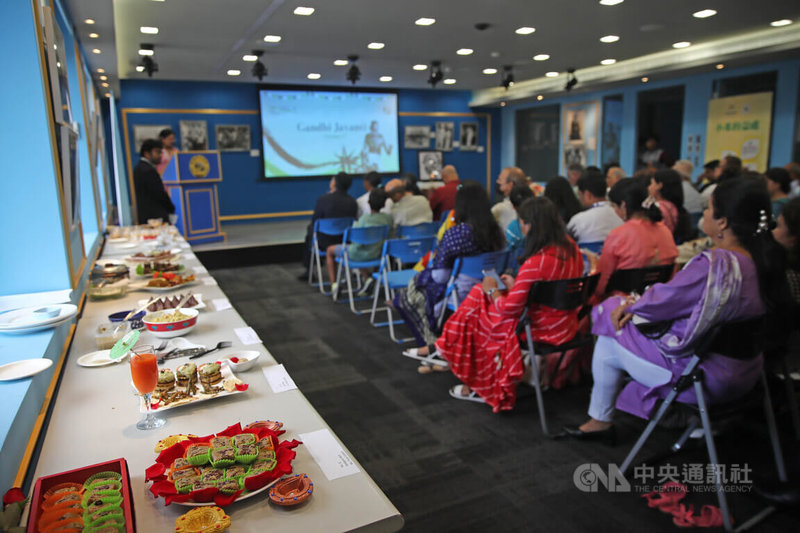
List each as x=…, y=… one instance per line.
x=117, y=240
x=142, y=286
x=183, y=272
x=100, y=358
x=173, y=254
x=199, y=297
x=24, y=319
x=199, y=396
x=240, y=498
x=24, y=368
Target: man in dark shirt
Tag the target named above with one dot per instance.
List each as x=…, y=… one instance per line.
x=152, y=200
x=443, y=199
x=336, y=203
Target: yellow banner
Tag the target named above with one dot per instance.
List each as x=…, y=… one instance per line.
x=740, y=125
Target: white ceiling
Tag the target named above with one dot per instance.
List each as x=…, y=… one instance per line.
x=203, y=39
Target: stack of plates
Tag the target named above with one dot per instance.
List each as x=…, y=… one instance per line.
x=27, y=320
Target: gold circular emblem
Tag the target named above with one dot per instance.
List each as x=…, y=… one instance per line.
x=199, y=167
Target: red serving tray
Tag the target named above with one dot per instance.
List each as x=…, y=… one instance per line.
x=80, y=475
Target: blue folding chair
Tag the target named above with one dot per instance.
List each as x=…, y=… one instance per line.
x=325, y=226
x=594, y=246
x=426, y=229
x=471, y=267
x=371, y=235
x=404, y=251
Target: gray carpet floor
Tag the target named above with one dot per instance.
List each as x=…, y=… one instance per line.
x=451, y=465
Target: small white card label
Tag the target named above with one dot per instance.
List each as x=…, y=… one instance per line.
x=480, y=149
x=247, y=335
x=279, y=379
x=255, y=153
x=329, y=454
x=209, y=281
x=220, y=304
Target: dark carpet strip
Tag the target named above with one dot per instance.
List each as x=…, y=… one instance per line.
x=450, y=465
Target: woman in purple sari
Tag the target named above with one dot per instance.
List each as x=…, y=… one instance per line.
x=739, y=279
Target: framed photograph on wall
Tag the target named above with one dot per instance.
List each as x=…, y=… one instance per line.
x=194, y=135
x=445, y=132
x=430, y=165
x=142, y=132
x=580, y=130
x=232, y=138
x=468, y=137
x=416, y=137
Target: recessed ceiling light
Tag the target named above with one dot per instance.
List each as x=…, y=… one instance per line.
x=313, y=76
x=104, y=78
x=234, y=72
x=139, y=68
x=551, y=74
x=97, y=51
x=375, y=46
x=145, y=52
x=152, y=30
x=272, y=38
x=610, y=2
x=608, y=61
x=682, y=44
x=385, y=78
x=340, y=63
x=464, y=51
x=609, y=39
x=249, y=57
x=502, y=104
x=645, y=79
x=101, y=70
x=93, y=36
x=304, y=11
x=58, y=64
x=540, y=97
x=424, y=21
x=108, y=95
x=525, y=30
x=720, y=66
x=490, y=71
x=782, y=22
x=541, y=57
x=89, y=21
x=420, y=67
x=104, y=84
x=704, y=13
x=449, y=81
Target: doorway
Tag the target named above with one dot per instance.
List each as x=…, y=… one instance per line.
x=660, y=116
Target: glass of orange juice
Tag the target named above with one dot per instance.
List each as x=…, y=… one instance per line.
x=144, y=371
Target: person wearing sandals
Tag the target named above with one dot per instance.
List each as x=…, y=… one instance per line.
x=739, y=279
x=479, y=342
x=475, y=232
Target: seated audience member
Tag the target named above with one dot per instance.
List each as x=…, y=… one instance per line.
x=410, y=180
x=361, y=252
x=596, y=222
x=692, y=200
x=408, y=209
x=372, y=181
x=666, y=189
x=336, y=203
x=475, y=232
x=794, y=173
x=574, y=173
x=779, y=185
x=706, y=178
x=739, y=279
x=613, y=175
x=787, y=233
x=504, y=212
x=729, y=167
x=642, y=241
x=479, y=340
x=443, y=199
x=559, y=191
x=514, y=236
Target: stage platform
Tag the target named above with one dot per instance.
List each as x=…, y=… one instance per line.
x=255, y=243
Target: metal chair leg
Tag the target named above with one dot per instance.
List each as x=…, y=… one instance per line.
x=773, y=430
x=791, y=398
x=537, y=385
x=678, y=445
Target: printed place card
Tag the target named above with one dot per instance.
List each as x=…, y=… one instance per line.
x=329, y=454
x=247, y=335
x=220, y=304
x=279, y=379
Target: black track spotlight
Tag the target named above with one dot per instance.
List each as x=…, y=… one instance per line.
x=436, y=73
x=259, y=70
x=146, y=50
x=149, y=65
x=572, y=81
x=508, y=76
x=353, y=73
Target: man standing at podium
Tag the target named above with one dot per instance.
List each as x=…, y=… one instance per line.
x=152, y=200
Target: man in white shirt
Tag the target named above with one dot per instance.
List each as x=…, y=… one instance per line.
x=692, y=200
x=504, y=212
x=408, y=209
x=596, y=222
x=372, y=181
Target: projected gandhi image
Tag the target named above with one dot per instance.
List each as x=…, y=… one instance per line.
x=311, y=133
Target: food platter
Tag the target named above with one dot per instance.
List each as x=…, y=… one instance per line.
x=199, y=297
x=142, y=286
x=199, y=396
x=241, y=497
x=180, y=269
x=151, y=256
x=26, y=321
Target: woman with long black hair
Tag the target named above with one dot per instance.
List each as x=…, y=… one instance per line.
x=666, y=189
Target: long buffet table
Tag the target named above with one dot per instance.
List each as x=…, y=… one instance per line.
x=94, y=416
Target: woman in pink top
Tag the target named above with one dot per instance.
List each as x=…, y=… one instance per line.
x=641, y=242
x=167, y=137
x=666, y=188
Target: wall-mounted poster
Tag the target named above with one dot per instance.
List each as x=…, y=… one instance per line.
x=417, y=137
x=468, y=138
x=233, y=138
x=142, y=132
x=445, y=131
x=740, y=125
x=194, y=135
x=430, y=165
x=580, y=125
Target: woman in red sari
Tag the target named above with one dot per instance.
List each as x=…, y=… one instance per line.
x=479, y=341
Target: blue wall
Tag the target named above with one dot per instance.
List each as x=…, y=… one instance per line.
x=698, y=91
x=243, y=191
